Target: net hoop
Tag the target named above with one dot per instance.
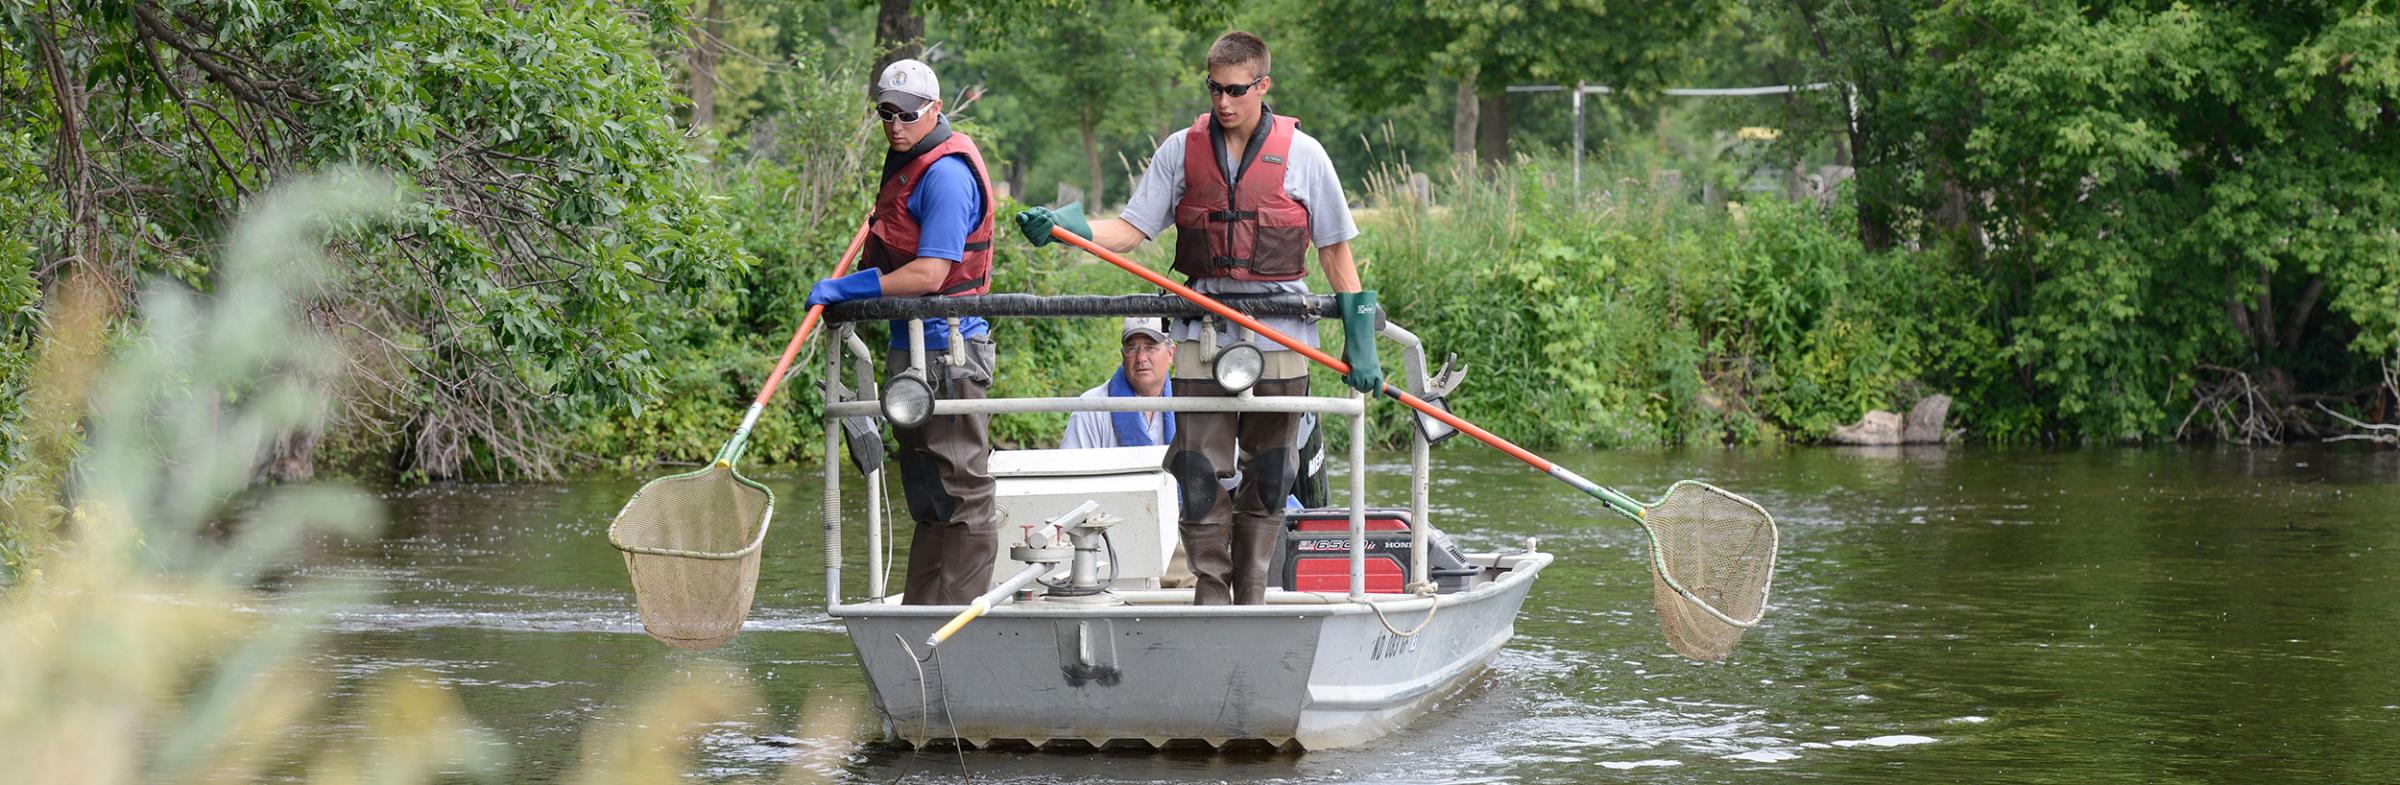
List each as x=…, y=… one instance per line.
x=1666, y=575
x=690, y=591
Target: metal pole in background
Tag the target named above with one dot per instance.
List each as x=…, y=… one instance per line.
x=1687, y=92
x=1578, y=101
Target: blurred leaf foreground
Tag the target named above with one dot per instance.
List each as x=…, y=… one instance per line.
x=138, y=647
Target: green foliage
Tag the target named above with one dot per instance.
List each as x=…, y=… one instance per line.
x=20, y=306
x=555, y=214
x=1106, y=75
x=1641, y=318
x=2161, y=201
x=794, y=179
x=2082, y=225
x=1391, y=45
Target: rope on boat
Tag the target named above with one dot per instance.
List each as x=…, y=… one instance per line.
x=924, y=709
x=1422, y=591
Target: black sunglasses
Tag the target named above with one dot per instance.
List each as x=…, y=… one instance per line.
x=1235, y=90
x=891, y=113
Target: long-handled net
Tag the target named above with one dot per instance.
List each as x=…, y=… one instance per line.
x=692, y=542
x=1712, y=560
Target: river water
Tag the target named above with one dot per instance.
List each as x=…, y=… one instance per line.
x=1961, y=615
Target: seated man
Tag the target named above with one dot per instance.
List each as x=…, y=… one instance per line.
x=1147, y=356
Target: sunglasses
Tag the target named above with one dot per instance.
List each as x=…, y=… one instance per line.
x=1235, y=90
x=894, y=114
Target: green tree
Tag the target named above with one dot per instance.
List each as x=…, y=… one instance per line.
x=554, y=229
x=2184, y=213
x=1108, y=71
x=1389, y=49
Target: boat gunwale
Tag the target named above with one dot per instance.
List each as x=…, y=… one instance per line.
x=1518, y=567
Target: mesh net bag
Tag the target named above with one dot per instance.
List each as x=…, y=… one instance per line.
x=692, y=542
x=1720, y=550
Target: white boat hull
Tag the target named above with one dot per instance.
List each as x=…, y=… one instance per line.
x=1308, y=668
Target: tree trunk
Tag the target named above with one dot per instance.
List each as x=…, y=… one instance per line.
x=293, y=457
x=707, y=37
x=1875, y=217
x=1491, y=132
x=2265, y=316
x=1091, y=153
x=899, y=34
x=2300, y=312
x=1016, y=174
x=1462, y=119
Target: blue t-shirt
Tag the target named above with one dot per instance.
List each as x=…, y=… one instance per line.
x=948, y=204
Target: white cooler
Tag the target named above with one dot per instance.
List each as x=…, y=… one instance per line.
x=1035, y=485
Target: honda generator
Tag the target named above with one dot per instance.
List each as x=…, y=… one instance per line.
x=1316, y=553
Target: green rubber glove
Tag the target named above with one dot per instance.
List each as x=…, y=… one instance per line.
x=1359, y=314
x=1035, y=222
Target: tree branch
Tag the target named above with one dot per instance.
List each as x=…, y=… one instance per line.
x=241, y=85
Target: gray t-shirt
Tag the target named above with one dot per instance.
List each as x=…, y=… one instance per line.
x=1308, y=177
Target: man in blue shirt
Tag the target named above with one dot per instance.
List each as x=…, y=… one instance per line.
x=932, y=237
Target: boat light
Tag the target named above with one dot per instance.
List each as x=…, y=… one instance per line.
x=1239, y=366
x=907, y=399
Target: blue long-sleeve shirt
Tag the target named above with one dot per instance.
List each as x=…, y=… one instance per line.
x=948, y=205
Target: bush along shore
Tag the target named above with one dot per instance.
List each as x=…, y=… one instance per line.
x=1638, y=316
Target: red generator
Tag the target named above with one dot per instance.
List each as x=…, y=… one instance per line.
x=1316, y=553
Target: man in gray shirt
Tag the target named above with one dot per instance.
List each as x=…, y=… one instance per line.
x=1248, y=194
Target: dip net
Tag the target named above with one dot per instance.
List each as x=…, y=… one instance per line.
x=1712, y=559
x=692, y=543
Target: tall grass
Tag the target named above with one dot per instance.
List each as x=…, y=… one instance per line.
x=131, y=646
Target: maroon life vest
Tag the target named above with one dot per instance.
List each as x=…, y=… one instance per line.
x=893, y=243
x=1241, y=225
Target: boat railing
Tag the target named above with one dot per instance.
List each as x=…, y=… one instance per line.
x=862, y=398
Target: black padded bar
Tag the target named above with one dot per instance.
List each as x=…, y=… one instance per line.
x=1075, y=305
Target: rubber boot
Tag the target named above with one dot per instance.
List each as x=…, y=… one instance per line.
x=1205, y=544
x=967, y=556
x=1254, y=544
x=922, y=585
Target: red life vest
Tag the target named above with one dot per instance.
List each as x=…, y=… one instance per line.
x=893, y=243
x=1249, y=230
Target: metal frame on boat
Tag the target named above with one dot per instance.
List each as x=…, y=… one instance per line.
x=1320, y=669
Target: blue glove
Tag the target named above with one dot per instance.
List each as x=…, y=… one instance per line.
x=855, y=286
x=1359, y=313
x=1035, y=222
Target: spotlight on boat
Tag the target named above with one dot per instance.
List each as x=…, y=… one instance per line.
x=1435, y=430
x=907, y=399
x=1239, y=366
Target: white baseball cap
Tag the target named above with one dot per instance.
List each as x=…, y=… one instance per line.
x=911, y=78
x=1144, y=325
